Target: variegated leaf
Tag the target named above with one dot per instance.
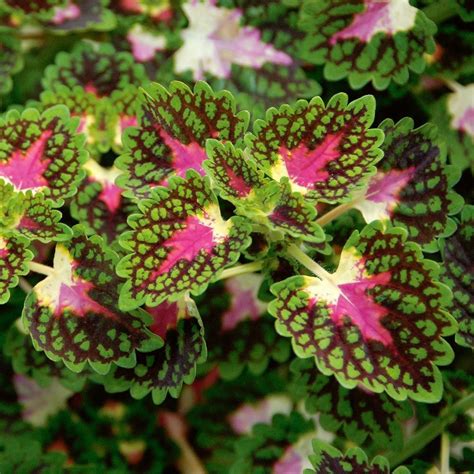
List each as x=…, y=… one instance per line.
x=165, y=370
x=366, y=40
x=378, y=321
x=327, y=459
x=325, y=151
x=41, y=153
x=179, y=243
x=174, y=126
x=412, y=184
x=358, y=415
x=458, y=273
x=73, y=313
x=14, y=258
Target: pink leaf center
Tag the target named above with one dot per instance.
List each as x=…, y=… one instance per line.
x=165, y=317
x=25, y=169
x=306, y=166
x=111, y=196
x=386, y=187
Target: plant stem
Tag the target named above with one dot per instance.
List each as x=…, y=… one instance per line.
x=309, y=263
x=430, y=431
x=40, y=268
x=441, y=10
x=24, y=285
x=241, y=269
x=445, y=453
x=334, y=213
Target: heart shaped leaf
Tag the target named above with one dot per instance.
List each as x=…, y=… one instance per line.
x=324, y=151
x=458, y=273
x=166, y=369
x=327, y=459
x=377, y=322
x=412, y=185
x=41, y=152
x=364, y=40
x=179, y=243
x=73, y=314
x=174, y=126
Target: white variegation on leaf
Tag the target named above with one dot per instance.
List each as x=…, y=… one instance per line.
x=379, y=16
x=215, y=39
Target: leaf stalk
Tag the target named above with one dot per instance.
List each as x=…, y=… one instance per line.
x=295, y=252
x=241, y=269
x=40, y=268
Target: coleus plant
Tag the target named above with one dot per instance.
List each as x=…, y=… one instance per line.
x=188, y=229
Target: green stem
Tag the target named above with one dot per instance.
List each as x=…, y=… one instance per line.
x=444, y=453
x=334, y=213
x=441, y=10
x=24, y=285
x=241, y=269
x=309, y=263
x=40, y=268
x=430, y=431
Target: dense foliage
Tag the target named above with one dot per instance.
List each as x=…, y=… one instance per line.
x=236, y=236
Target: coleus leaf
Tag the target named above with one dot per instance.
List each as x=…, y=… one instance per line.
x=327, y=458
x=324, y=151
x=26, y=360
x=31, y=215
x=366, y=39
x=275, y=447
x=215, y=39
x=457, y=273
x=167, y=368
x=238, y=331
x=377, y=322
x=39, y=403
x=359, y=415
x=73, y=313
x=99, y=204
x=99, y=85
x=10, y=61
x=157, y=10
x=268, y=202
x=41, y=152
x=179, y=243
x=77, y=15
x=174, y=127
x=14, y=258
x=412, y=184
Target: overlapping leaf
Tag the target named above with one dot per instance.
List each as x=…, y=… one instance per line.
x=179, y=243
x=458, y=273
x=73, y=314
x=366, y=39
x=325, y=151
x=268, y=202
x=30, y=215
x=14, y=258
x=412, y=185
x=327, y=459
x=174, y=127
x=99, y=204
x=166, y=369
x=360, y=416
x=41, y=153
x=378, y=321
